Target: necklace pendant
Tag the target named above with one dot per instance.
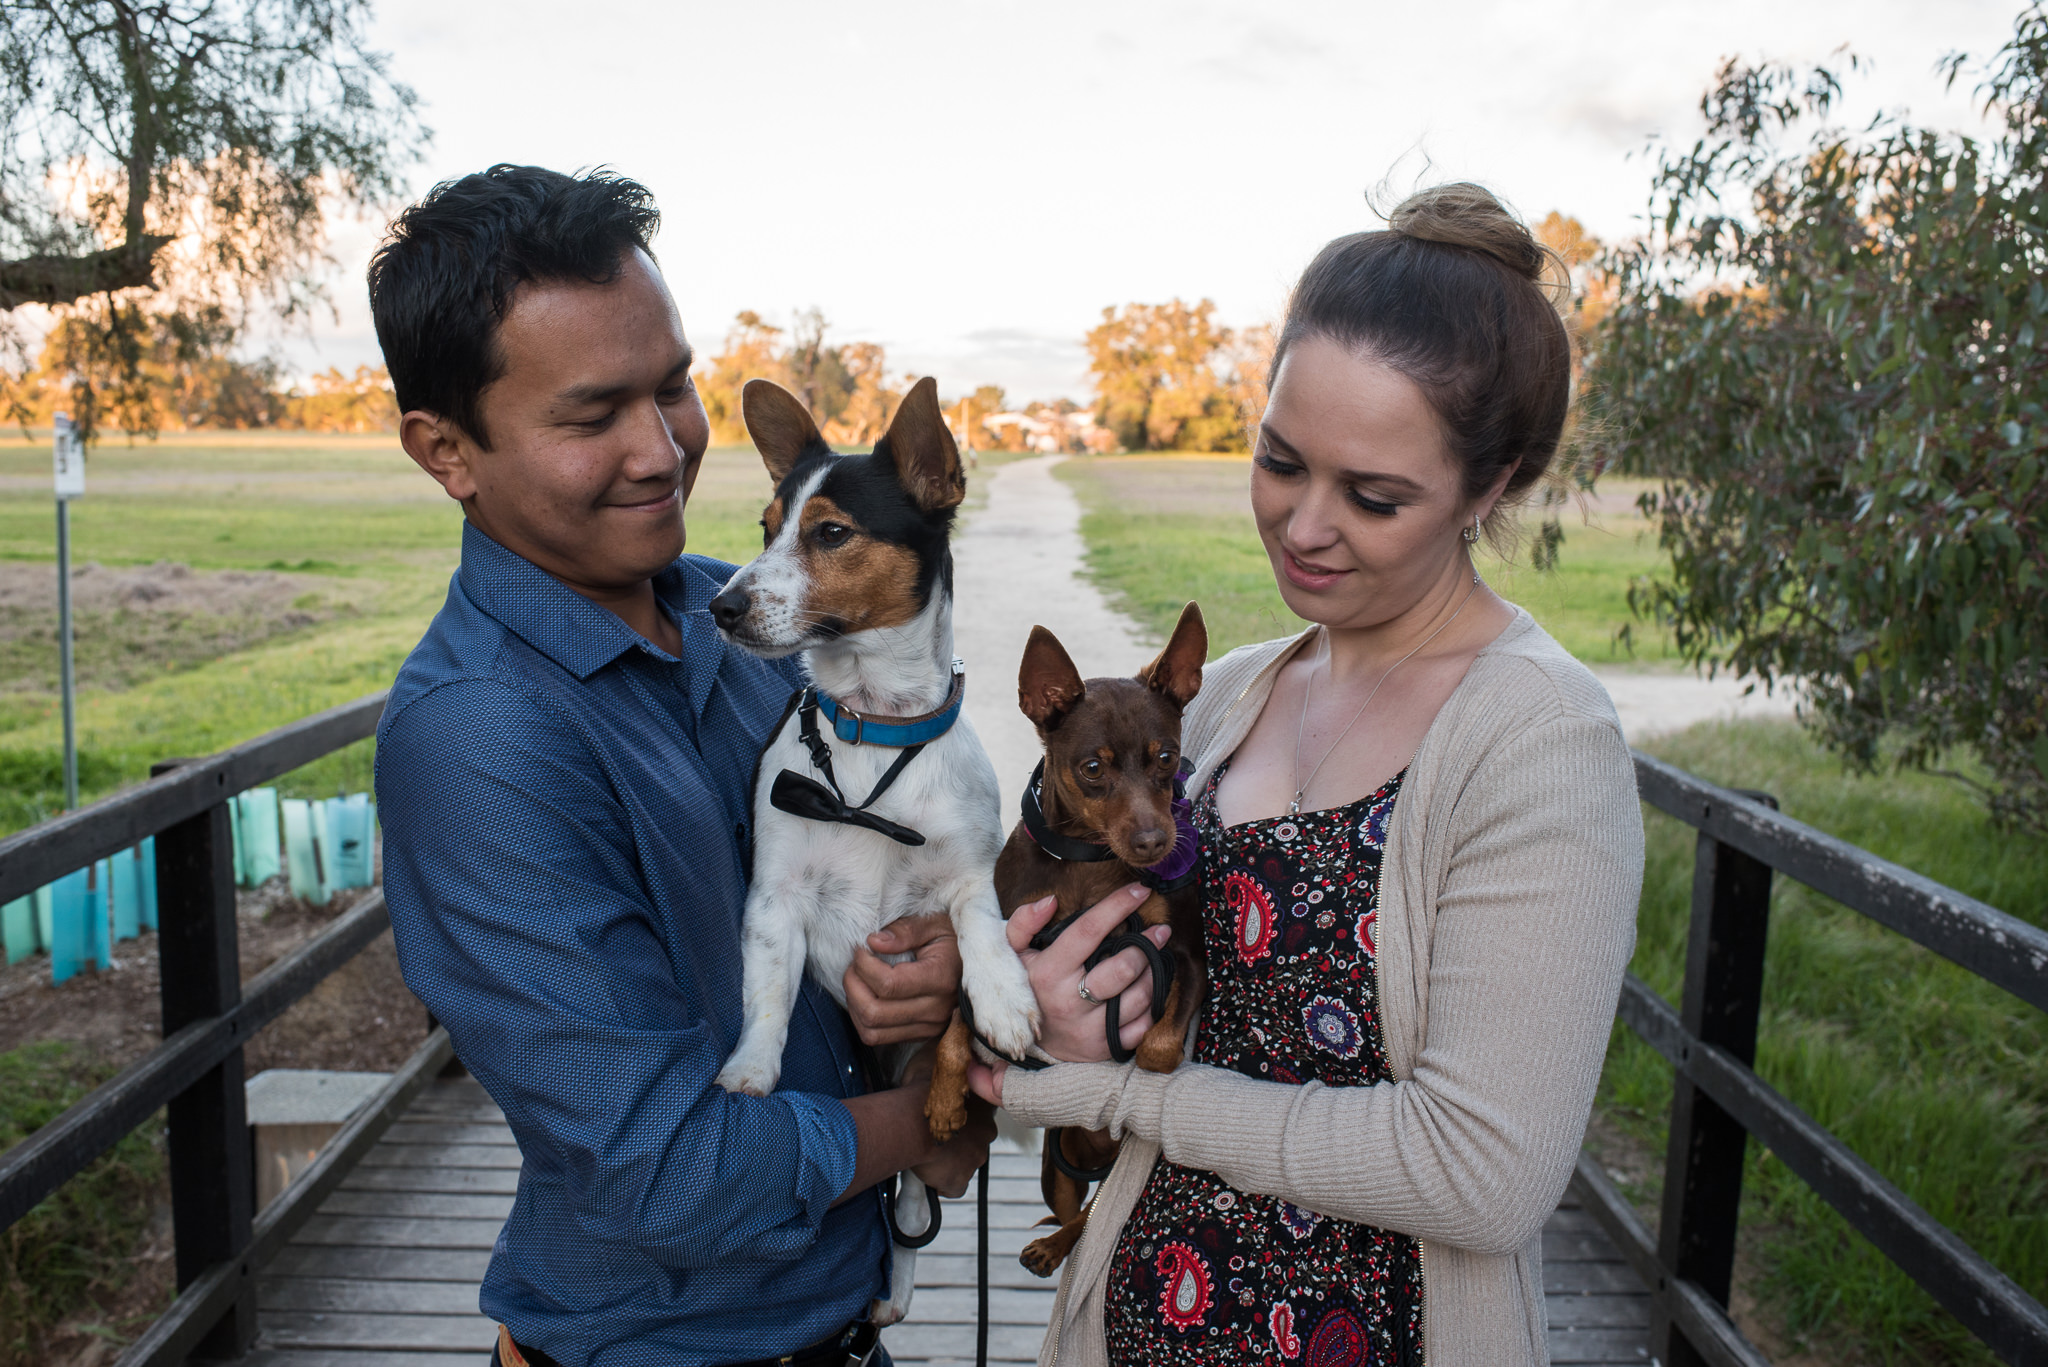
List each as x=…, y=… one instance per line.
x=1294, y=807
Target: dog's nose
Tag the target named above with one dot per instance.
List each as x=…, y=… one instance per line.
x=728, y=608
x=1151, y=846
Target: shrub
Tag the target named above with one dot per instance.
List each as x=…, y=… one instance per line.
x=1832, y=347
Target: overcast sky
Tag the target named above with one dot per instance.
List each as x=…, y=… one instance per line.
x=971, y=182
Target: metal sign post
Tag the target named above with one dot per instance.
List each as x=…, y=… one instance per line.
x=68, y=455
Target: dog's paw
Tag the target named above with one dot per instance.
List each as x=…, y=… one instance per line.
x=1042, y=1257
x=1005, y=1009
x=748, y=1076
x=886, y=1313
x=945, y=1115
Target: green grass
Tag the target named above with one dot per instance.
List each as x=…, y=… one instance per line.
x=353, y=512
x=1163, y=530
x=75, y=1246
x=1936, y=1078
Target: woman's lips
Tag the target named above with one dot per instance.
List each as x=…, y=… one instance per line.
x=1302, y=574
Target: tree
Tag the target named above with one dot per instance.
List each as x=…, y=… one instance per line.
x=1833, y=348
x=1163, y=377
x=752, y=351
x=179, y=157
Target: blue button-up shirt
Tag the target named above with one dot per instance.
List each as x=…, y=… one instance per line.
x=564, y=809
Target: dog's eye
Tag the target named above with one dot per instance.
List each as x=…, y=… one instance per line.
x=832, y=533
x=1165, y=756
x=1091, y=769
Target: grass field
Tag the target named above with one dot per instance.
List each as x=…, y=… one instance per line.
x=352, y=519
x=1936, y=1078
x=1163, y=530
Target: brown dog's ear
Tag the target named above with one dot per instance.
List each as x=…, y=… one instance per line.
x=1048, y=685
x=922, y=446
x=1177, y=673
x=780, y=425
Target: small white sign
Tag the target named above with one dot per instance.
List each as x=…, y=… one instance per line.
x=68, y=451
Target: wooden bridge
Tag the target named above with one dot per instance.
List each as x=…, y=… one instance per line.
x=372, y=1256
x=385, y=1273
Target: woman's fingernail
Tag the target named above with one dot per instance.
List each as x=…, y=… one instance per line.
x=1159, y=934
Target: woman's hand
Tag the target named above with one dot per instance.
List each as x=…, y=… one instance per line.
x=912, y=1000
x=1072, y=1027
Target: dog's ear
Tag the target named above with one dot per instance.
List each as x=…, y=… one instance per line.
x=1048, y=685
x=1177, y=673
x=922, y=446
x=780, y=425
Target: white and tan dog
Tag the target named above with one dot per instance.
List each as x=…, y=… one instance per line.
x=849, y=834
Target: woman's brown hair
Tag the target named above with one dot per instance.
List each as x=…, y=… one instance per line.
x=1457, y=295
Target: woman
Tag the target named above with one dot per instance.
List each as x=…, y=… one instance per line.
x=1422, y=852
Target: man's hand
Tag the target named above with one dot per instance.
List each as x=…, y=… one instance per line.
x=912, y=1000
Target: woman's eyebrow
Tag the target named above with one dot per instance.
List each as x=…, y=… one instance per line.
x=1373, y=476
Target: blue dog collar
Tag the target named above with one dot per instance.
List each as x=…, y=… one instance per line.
x=855, y=729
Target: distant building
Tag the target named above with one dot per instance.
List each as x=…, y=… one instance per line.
x=1045, y=428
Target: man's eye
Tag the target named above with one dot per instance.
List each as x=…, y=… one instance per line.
x=832, y=533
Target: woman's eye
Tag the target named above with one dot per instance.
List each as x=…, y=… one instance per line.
x=1374, y=506
x=1273, y=465
x=832, y=533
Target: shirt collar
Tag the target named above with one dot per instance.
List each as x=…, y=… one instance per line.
x=576, y=633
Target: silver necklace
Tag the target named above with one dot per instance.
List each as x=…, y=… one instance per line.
x=1294, y=807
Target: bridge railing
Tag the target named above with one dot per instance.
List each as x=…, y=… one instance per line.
x=1718, y=1099
x=195, y=1075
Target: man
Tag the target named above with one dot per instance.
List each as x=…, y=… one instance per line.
x=562, y=776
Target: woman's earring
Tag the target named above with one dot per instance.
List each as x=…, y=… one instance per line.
x=1471, y=536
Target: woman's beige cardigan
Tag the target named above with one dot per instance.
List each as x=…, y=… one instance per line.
x=1506, y=916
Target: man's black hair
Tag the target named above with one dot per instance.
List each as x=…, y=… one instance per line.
x=444, y=278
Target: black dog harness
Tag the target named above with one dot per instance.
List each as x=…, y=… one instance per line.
x=801, y=795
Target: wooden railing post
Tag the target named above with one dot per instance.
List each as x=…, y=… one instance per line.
x=1724, y=980
x=213, y=1187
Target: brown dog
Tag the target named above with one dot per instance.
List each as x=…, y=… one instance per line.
x=1104, y=806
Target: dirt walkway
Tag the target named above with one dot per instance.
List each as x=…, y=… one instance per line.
x=1018, y=562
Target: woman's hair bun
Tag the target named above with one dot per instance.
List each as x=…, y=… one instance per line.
x=1466, y=215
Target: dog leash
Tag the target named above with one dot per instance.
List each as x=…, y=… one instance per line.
x=801, y=795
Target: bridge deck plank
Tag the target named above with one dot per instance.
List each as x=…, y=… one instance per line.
x=386, y=1275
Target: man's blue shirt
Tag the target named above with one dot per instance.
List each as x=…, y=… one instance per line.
x=565, y=812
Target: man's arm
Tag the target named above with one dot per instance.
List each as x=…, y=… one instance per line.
x=515, y=895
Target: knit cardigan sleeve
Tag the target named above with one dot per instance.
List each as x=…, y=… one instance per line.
x=1535, y=922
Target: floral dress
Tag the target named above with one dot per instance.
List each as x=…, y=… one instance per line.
x=1204, y=1272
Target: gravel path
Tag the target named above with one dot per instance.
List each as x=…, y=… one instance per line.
x=1018, y=562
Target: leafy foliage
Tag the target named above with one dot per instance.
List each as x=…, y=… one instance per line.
x=1169, y=377
x=1832, y=351
x=176, y=159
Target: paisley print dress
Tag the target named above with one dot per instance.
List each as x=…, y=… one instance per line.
x=1204, y=1272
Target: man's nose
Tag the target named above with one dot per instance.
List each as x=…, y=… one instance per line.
x=654, y=454
x=730, y=607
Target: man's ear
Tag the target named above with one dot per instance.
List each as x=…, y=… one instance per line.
x=1048, y=685
x=1177, y=673
x=442, y=449
x=922, y=446
x=780, y=425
